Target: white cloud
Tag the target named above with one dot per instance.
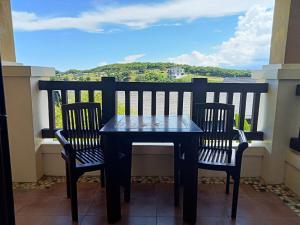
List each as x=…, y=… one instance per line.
x=132, y=58
x=249, y=45
x=103, y=63
x=136, y=15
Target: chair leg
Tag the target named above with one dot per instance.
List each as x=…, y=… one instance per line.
x=127, y=183
x=227, y=183
x=176, y=175
x=68, y=180
x=74, y=203
x=235, y=196
x=102, y=178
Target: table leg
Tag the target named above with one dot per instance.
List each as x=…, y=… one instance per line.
x=190, y=174
x=126, y=149
x=112, y=178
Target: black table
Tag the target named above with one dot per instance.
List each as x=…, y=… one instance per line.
x=128, y=129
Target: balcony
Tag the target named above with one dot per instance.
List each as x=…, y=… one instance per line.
x=267, y=110
x=152, y=162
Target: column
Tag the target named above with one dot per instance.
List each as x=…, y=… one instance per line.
x=280, y=118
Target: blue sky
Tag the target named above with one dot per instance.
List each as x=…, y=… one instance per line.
x=84, y=34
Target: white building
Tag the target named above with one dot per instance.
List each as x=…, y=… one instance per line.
x=176, y=72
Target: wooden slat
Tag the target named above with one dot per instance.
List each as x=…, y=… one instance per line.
x=216, y=96
x=64, y=100
x=153, y=103
x=243, y=98
x=229, y=98
x=70, y=85
x=153, y=86
x=91, y=96
x=180, y=103
x=237, y=87
x=127, y=103
x=140, y=102
x=108, y=98
x=167, y=103
x=77, y=95
x=255, y=111
x=64, y=97
x=51, y=109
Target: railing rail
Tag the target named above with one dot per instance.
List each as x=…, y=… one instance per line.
x=198, y=91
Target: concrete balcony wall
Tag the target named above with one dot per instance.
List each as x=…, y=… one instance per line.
x=152, y=160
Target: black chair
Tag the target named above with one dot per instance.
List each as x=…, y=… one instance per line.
x=215, y=146
x=82, y=150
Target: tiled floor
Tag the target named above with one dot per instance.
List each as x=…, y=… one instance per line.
x=151, y=204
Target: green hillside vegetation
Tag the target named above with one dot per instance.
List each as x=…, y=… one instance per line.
x=149, y=72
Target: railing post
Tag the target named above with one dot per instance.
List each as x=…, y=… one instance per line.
x=109, y=100
x=198, y=94
x=28, y=115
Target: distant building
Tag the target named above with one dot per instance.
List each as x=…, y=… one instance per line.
x=176, y=72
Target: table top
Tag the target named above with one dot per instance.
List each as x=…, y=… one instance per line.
x=150, y=124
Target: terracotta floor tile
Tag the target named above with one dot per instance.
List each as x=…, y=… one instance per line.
x=247, y=208
x=54, y=206
x=269, y=210
x=150, y=204
x=212, y=221
x=61, y=220
x=212, y=208
x=170, y=220
x=96, y=220
x=140, y=207
x=29, y=220
x=247, y=221
x=289, y=221
x=138, y=220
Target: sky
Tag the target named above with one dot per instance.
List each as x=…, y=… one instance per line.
x=83, y=34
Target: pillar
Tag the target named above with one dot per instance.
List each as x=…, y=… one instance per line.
x=7, y=46
x=280, y=118
x=27, y=114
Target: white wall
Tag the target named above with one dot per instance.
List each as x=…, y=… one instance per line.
x=152, y=160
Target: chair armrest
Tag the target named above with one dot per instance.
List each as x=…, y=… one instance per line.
x=63, y=141
x=243, y=144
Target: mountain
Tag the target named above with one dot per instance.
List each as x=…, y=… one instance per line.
x=157, y=72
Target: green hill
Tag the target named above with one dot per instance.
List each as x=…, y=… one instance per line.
x=154, y=72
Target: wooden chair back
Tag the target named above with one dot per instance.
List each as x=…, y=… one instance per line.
x=216, y=120
x=81, y=125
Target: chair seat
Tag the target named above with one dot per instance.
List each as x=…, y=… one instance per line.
x=87, y=157
x=215, y=157
x=90, y=156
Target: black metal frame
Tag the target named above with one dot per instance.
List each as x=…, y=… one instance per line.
x=7, y=214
